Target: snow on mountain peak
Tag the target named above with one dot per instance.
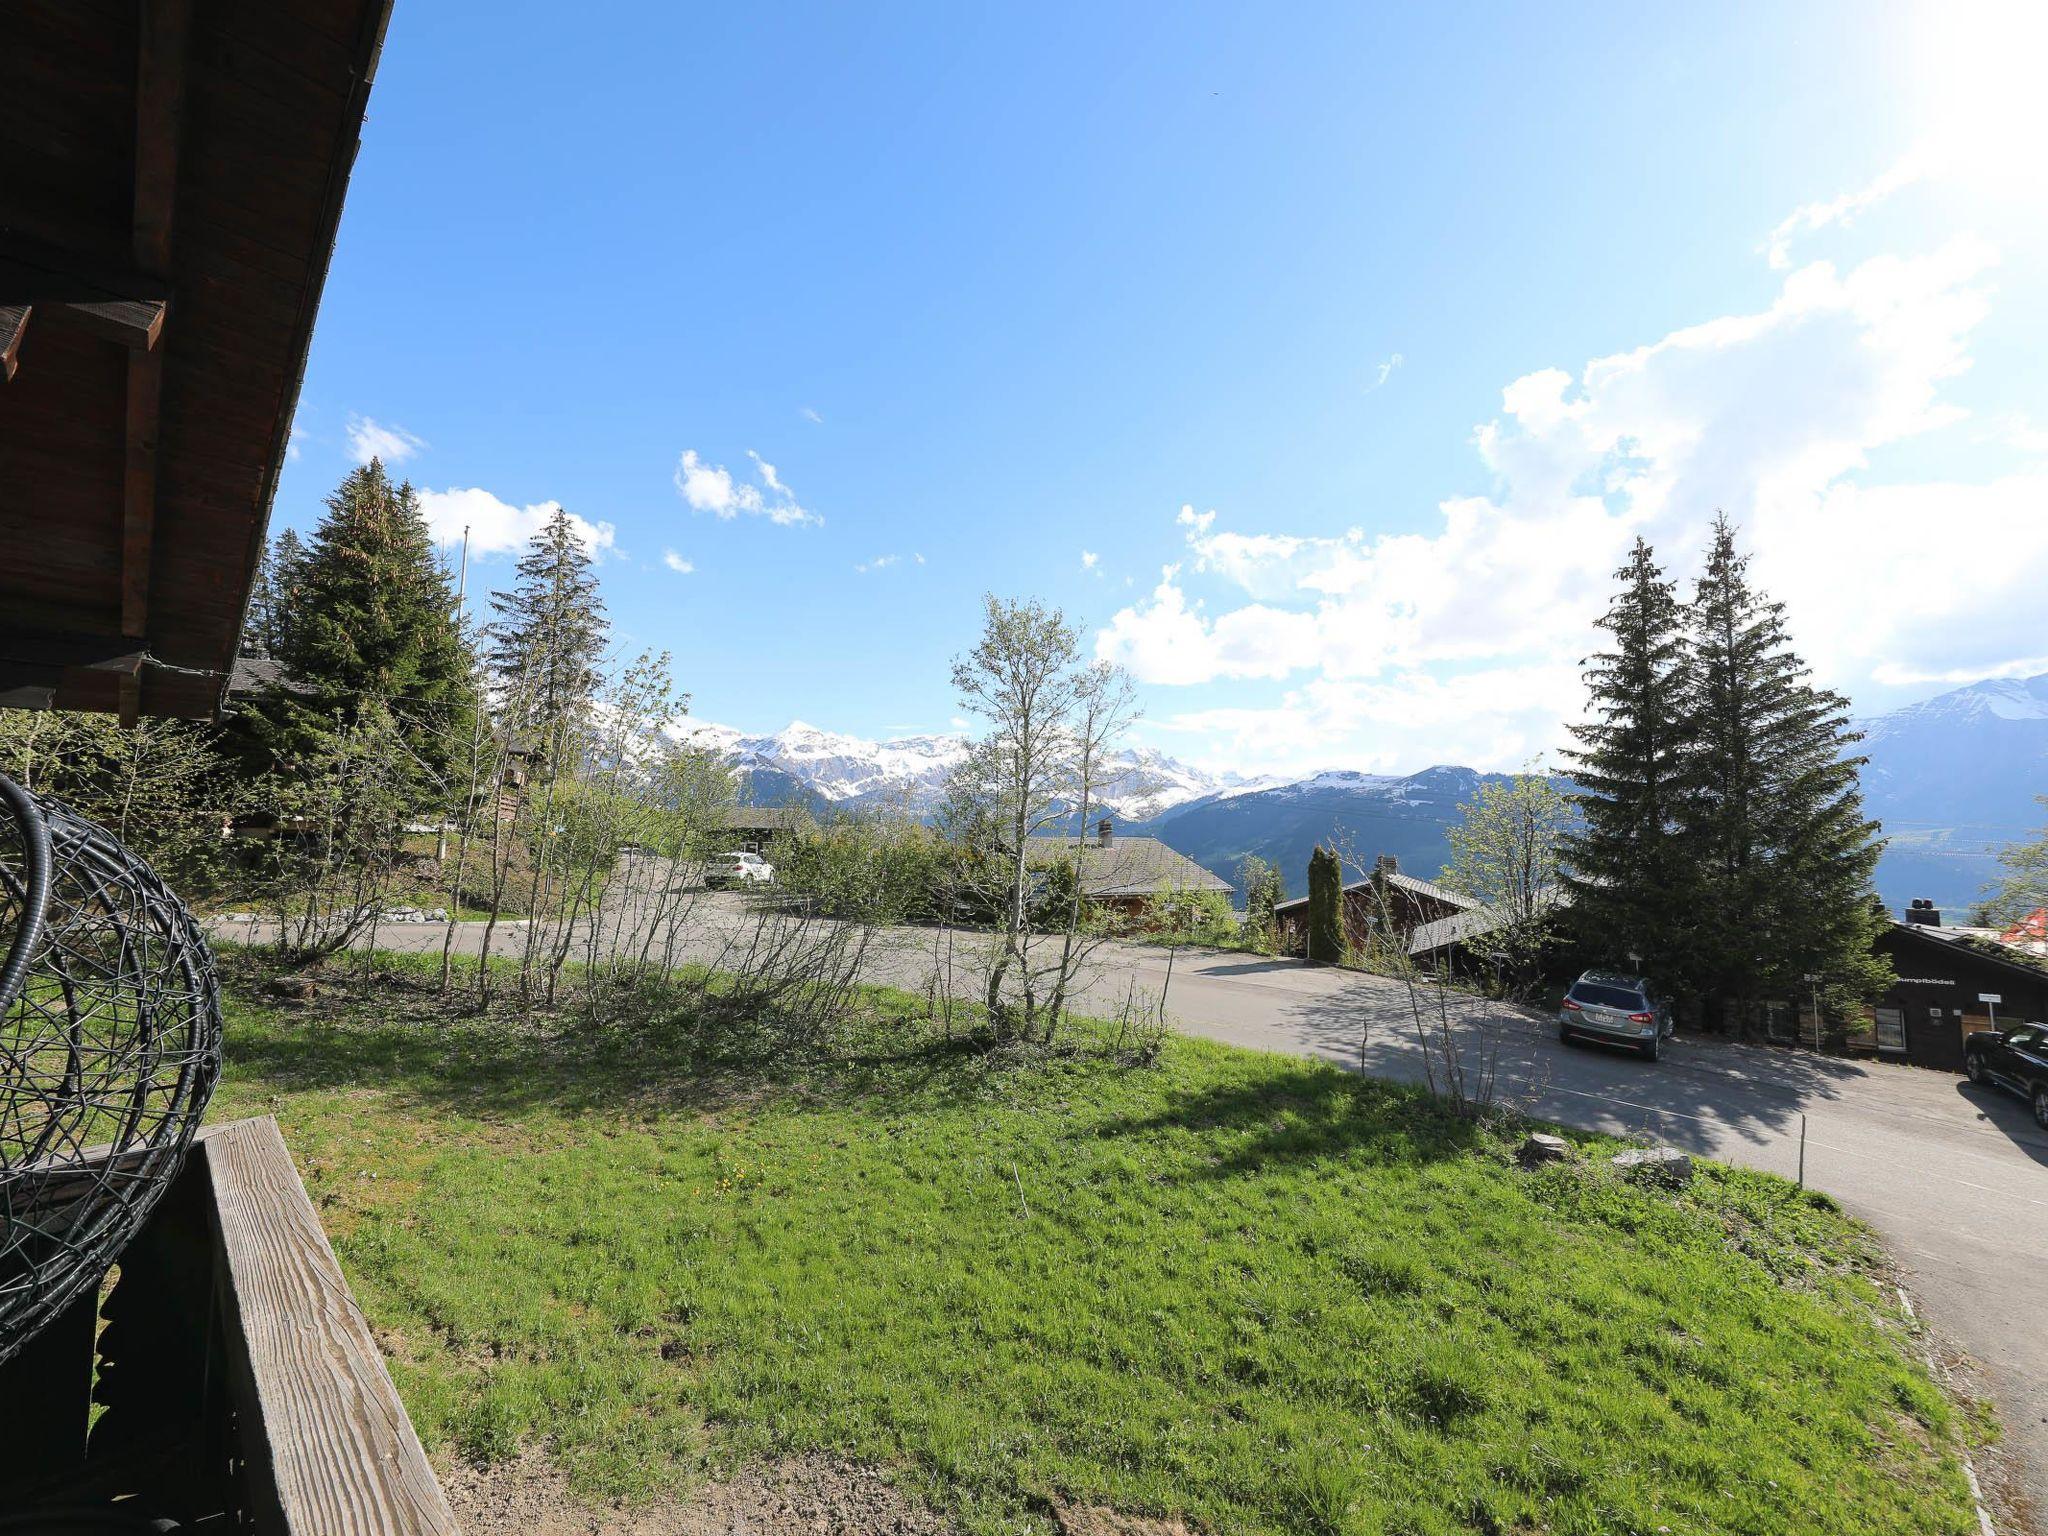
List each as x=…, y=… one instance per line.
x=912, y=770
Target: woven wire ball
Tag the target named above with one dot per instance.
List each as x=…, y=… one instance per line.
x=109, y=1048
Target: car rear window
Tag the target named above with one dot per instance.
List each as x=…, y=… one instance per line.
x=1608, y=997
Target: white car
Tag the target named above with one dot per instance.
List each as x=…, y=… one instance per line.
x=738, y=869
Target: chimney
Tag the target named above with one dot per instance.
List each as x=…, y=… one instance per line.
x=1923, y=913
x=1386, y=864
x=1105, y=832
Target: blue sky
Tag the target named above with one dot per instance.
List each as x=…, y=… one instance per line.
x=1418, y=314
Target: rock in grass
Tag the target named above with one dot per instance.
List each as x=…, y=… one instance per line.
x=299, y=989
x=1655, y=1165
x=1541, y=1148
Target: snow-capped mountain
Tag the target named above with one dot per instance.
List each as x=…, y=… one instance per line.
x=1953, y=778
x=1364, y=815
x=803, y=762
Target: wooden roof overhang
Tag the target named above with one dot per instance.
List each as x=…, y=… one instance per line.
x=171, y=178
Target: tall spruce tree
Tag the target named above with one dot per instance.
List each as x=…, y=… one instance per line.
x=1771, y=818
x=1631, y=892
x=546, y=644
x=368, y=619
x=273, y=596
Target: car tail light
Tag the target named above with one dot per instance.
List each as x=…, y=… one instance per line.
x=1574, y=1007
x=1642, y=1018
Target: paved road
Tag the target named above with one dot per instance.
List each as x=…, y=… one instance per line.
x=1954, y=1177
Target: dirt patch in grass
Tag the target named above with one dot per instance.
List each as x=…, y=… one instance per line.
x=813, y=1495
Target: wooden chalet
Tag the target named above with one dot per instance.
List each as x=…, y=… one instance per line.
x=171, y=179
x=1386, y=903
x=1127, y=875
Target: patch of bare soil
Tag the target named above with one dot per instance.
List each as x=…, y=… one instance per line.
x=811, y=1495
x=1092, y=1520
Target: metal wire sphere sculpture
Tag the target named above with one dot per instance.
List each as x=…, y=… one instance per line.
x=109, y=1048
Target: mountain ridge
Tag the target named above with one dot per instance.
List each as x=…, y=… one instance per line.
x=1952, y=778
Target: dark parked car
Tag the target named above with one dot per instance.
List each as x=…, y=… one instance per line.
x=1606, y=1005
x=2012, y=1058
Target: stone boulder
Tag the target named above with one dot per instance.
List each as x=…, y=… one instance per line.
x=1655, y=1165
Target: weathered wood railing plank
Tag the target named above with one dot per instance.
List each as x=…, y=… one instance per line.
x=329, y=1442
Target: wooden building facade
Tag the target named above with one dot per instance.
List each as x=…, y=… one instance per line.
x=1386, y=904
x=1944, y=981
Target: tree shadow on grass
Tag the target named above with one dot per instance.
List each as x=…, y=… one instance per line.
x=1308, y=1115
x=397, y=1034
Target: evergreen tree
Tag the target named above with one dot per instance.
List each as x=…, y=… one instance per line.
x=366, y=617
x=1771, y=819
x=1325, y=906
x=1624, y=869
x=273, y=596
x=546, y=644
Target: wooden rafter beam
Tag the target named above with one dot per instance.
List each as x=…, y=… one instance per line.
x=124, y=306
x=159, y=121
x=134, y=323
x=13, y=323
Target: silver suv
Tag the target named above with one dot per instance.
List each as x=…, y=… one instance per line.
x=1607, y=1005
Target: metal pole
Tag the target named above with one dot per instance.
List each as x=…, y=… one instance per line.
x=1802, y=1151
x=462, y=581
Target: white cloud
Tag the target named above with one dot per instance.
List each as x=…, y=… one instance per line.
x=2015, y=429
x=1496, y=719
x=883, y=562
x=676, y=562
x=1467, y=635
x=1813, y=217
x=712, y=488
x=1385, y=371
x=498, y=527
x=1172, y=641
x=368, y=439
x=2021, y=666
x=812, y=417
x=1090, y=560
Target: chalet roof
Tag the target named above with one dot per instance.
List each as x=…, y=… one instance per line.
x=254, y=675
x=1472, y=923
x=174, y=179
x=1410, y=883
x=1136, y=866
x=762, y=818
x=1952, y=939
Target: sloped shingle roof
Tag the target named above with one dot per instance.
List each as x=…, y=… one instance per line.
x=1136, y=866
x=1462, y=927
x=1409, y=883
x=762, y=818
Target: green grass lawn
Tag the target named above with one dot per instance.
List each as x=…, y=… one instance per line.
x=1244, y=1289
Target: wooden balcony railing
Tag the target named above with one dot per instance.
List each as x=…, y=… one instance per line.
x=224, y=1379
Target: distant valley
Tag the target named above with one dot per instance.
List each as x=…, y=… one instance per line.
x=1953, y=778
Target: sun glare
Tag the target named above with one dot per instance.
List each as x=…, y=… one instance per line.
x=1982, y=74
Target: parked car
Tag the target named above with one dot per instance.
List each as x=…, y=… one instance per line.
x=1607, y=1005
x=738, y=869
x=2012, y=1058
